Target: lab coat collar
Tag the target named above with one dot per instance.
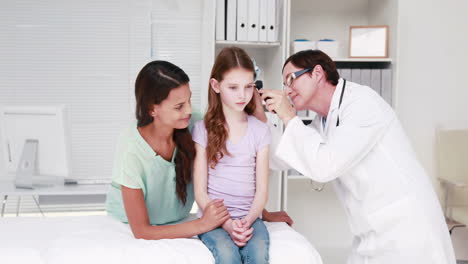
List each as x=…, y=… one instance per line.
x=335, y=102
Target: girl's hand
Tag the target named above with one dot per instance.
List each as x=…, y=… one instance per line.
x=214, y=215
x=278, y=101
x=239, y=234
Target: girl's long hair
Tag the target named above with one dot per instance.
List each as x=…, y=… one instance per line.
x=153, y=85
x=215, y=122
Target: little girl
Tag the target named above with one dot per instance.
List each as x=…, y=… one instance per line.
x=231, y=161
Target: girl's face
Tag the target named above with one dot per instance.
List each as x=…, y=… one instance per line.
x=175, y=111
x=236, y=89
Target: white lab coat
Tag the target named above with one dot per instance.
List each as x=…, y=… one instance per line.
x=392, y=209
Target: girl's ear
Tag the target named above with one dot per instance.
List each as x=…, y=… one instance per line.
x=214, y=85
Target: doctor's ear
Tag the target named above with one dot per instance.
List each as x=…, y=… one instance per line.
x=317, y=71
x=214, y=84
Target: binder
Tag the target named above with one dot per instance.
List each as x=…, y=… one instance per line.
x=387, y=85
x=253, y=13
x=366, y=77
x=272, y=34
x=263, y=23
x=242, y=6
x=375, y=80
x=220, y=20
x=231, y=19
x=356, y=75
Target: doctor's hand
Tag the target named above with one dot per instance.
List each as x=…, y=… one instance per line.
x=280, y=216
x=238, y=231
x=259, y=112
x=278, y=102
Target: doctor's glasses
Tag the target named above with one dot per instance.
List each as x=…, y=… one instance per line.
x=291, y=77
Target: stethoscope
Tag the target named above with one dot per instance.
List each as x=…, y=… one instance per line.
x=322, y=185
x=339, y=104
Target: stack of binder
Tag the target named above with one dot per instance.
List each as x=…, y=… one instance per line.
x=378, y=79
x=247, y=20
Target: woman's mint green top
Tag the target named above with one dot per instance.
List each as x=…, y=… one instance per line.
x=137, y=166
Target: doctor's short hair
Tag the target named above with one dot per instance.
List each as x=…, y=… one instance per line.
x=311, y=58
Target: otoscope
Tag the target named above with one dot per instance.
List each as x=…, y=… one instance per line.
x=259, y=86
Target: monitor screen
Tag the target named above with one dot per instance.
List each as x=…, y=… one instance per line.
x=42, y=124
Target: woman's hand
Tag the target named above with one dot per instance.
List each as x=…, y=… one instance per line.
x=280, y=216
x=214, y=215
x=278, y=101
x=239, y=231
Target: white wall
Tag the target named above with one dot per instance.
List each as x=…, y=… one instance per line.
x=432, y=88
x=86, y=54
x=76, y=53
x=320, y=217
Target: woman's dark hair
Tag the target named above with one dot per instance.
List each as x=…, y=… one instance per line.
x=152, y=86
x=311, y=58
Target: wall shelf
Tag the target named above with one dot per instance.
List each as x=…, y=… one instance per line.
x=297, y=177
x=247, y=44
x=362, y=59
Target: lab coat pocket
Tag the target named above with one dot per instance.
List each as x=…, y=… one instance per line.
x=387, y=217
x=393, y=223
x=402, y=232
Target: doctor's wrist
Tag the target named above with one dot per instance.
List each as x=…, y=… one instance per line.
x=288, y=118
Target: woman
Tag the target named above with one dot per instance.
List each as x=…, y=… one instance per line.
x=152, y=187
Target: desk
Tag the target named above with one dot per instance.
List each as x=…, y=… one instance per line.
x=7, y=188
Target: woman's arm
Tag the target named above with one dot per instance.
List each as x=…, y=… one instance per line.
x=214, y=215
x=261, y=192
x=200, y=176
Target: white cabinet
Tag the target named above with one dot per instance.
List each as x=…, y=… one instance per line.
x=269, y=55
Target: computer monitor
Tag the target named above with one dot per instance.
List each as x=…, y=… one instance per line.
x=35, y=145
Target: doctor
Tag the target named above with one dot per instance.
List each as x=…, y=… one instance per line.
x=357, y=143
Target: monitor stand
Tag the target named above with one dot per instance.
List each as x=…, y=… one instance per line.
x=26, y=173
x=27, y=166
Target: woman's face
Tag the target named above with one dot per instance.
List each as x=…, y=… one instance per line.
x=175, y=111
x=236, y=89
x=302, y=89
